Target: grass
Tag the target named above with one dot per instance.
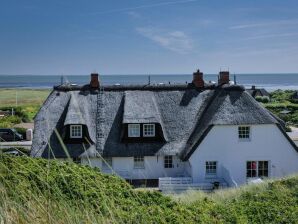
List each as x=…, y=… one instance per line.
x=41, y=191
x=30, y=100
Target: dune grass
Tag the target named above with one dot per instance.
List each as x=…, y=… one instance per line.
x=41, y=191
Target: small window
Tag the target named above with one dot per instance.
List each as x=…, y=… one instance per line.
x=149, y=130
x=107, y=163
x=251, y=169
x=168, y=162
x=244, y=132
x=76, y=131
x=257, y=169
x=133, y=130
x=263, y=169
x=138, y=162
x=211, y=168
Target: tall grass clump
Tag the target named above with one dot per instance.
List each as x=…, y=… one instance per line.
x=51, y=191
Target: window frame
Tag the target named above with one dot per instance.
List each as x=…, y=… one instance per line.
x=129, y=127
x=168, y=162
x=244, y=135
x=209, y=166
x=139, y=162
x=257, y=169
x=153, y=130
x=71, y=131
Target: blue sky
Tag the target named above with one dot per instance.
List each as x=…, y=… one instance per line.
x=148, y=36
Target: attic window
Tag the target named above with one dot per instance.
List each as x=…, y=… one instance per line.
x=244, y=132
x=134, y=130
x=76, y=131
x=149, y=130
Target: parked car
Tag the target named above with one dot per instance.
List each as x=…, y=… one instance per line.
x=9, y=135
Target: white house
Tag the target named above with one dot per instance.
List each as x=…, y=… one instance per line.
x=198, y=133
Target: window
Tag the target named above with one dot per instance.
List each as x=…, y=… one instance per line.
x=211, y=168
x=107, y=163
x=76, y=131
x=149, y=130
x=138, y=162
x=168, y=162
x=257, y=169
x=133, y=130
x=244, y=132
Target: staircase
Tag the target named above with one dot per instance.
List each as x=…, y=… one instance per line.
x=100, y=138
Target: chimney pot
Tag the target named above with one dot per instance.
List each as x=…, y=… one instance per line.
x=198, y=80
x=94, y=82
x=224, y=77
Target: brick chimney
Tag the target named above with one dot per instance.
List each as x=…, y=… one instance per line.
x=197, y=79
x=94, y=82
x=224, y=78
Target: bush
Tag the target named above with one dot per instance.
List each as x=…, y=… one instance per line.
x=9, y=121
x=263, y=99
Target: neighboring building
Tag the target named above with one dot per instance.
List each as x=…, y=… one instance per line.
x=209, y=133
x=254, y=92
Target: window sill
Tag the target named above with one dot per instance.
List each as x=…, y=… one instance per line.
x=139, y=168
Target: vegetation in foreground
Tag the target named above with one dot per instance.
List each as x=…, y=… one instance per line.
x=41, y=191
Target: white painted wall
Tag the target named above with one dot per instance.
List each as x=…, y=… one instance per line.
x=222, y=145
x=154, y=167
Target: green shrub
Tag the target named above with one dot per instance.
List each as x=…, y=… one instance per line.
x=263, y=99
x=41, y=191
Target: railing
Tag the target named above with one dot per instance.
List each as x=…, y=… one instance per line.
x=228, y=178
x=173, y=182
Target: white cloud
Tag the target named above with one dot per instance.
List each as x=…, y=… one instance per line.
x=176, y=41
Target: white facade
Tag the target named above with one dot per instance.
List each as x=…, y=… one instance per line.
x=222, y=144
x=266, y=143
x=153, y=167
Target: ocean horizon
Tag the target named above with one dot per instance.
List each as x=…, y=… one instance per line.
x=270, y=82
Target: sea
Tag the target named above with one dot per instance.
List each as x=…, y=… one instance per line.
x=270, y=82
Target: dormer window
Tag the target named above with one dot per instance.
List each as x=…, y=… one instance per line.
x=133, y=130
x=149, y=130
x=76, y=131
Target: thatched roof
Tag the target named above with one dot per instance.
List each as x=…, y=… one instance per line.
x=185, y=113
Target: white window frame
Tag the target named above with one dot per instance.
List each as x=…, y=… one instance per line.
x=168, y=160
x=80, y=131
x=209, y=166
x=139, y=162
x=257, y=169
x=244, y=135
x=153, y=130
x=136, y=127
x=107, y=163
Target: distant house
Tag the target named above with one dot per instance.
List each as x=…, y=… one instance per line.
x=200, y=133
x=254, y=92
x=4, y=113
